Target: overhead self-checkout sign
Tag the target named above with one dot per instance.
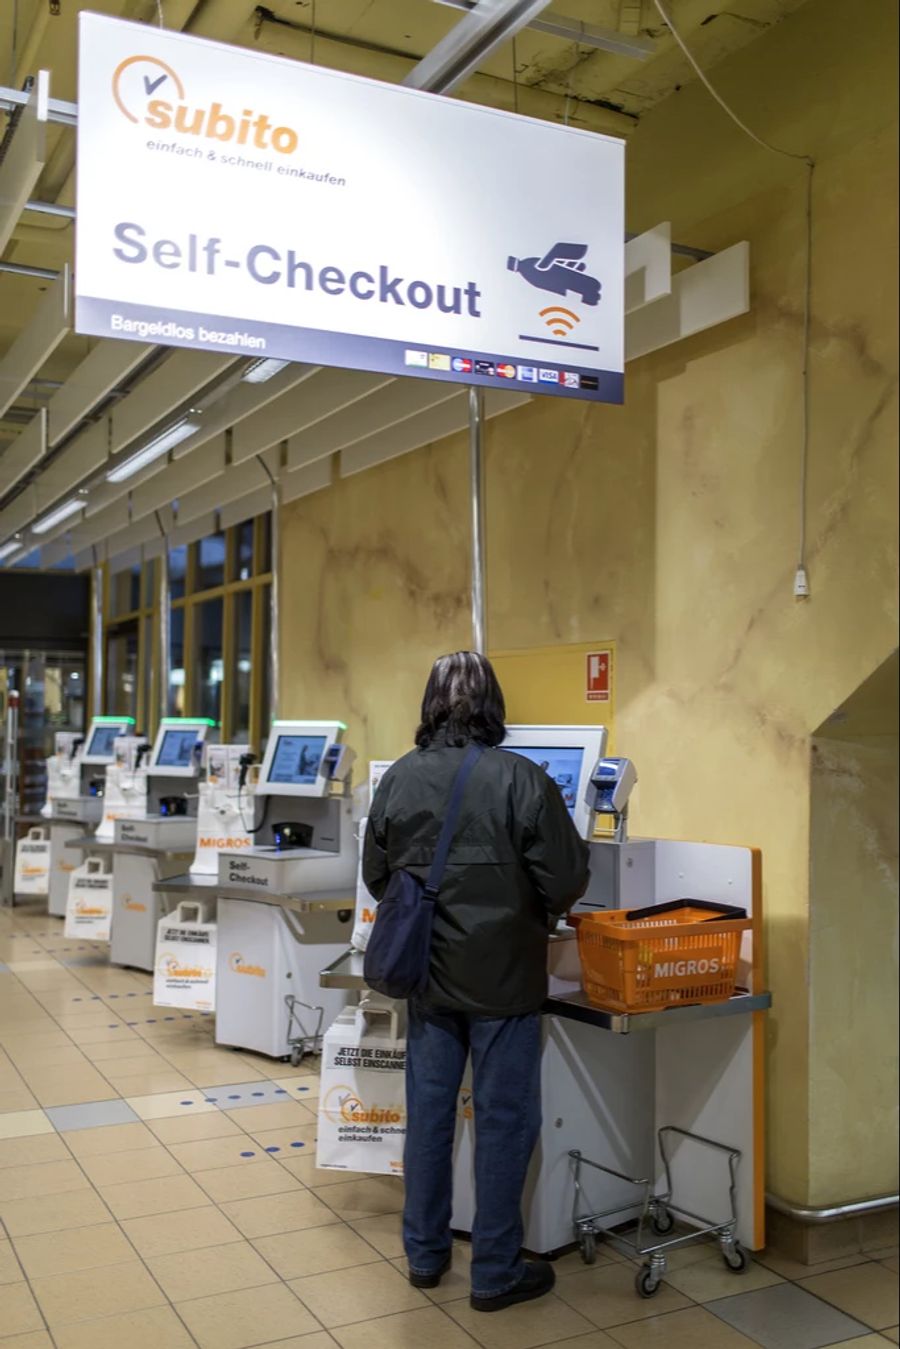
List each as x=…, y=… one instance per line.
x=239, y=202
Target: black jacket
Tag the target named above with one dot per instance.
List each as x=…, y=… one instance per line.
x=516, y=863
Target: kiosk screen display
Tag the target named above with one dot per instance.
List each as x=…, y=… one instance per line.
x=176, y=748
x=563, y=765
x=296, y=759
x=102, y=741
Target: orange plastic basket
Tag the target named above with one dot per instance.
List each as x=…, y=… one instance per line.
x=682, y=955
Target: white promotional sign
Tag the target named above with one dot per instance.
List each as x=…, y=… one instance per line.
x=362, y=1099
x=184, y=971
x=32, y=869
x=365, y=904
x=273, y=209
x=90, y=902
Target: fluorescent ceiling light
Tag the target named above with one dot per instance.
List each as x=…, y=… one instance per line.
x=260, y=371
x=154, y=449
x=9, y=548
x=57, y=516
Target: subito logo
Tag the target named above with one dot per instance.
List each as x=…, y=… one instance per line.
x=238, y=965
x=172, y=968
x=137, y=80
x=343, y=1104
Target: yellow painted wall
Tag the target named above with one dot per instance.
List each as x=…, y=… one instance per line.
x=670, y=525
x=853, y=970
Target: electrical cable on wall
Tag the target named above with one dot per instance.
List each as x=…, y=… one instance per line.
x=801, y=580
x=159, y=13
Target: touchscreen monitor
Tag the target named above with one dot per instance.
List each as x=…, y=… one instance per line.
x=177, y=747
x=561, y=763
x=102, y=742
x=296, y=760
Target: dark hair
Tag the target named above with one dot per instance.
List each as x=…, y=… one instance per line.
x=463, y=701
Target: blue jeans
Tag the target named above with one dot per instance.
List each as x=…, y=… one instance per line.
x=506, y=1101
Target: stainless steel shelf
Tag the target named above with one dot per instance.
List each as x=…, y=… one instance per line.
x=345, y=972
x=324, y=901
x=575, y=1007
x=88, y=843
x=187, y=885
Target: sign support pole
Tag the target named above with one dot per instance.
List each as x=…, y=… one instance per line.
x=162, y=575
x=97, y=639
x=476, y=487
x=274, y=607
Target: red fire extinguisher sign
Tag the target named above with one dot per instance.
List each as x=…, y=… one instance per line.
x=598, y=676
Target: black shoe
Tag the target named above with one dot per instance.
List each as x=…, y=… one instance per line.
x=537, y=1280
x=430, y=1280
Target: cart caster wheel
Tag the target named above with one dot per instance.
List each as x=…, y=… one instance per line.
x=296, y=1056
x=663, y=1221
x=735, y=1258
x=646, y=1282
x=587, y=1244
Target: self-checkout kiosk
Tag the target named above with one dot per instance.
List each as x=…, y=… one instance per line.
x=611, y=1081
x=159, y=843
x=76, y=783
x=285, y=904
x=225, y=813
x=125, y=794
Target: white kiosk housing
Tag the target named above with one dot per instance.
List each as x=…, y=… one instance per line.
x=158, y=844
x=611, y=1081
x=285, y=905
x=76, y=781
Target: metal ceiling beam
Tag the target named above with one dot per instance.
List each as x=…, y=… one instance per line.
x=487, y=26
x=58, y=110
x=25, y=154
x=584, y=34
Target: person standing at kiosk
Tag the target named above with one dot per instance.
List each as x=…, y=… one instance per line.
x=516, y=864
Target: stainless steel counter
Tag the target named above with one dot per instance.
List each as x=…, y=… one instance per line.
x=347, y=973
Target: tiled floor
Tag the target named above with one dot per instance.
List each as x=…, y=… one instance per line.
x=157, y=1192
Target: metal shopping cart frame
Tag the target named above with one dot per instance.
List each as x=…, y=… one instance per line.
x=303, y=1042
x=659, y=1212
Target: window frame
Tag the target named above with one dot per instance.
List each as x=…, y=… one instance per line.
x=258, y=583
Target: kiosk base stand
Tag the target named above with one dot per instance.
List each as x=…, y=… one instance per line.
x=137, y=908
x=267, y=967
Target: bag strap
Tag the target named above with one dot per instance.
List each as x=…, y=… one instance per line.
x=448, y=829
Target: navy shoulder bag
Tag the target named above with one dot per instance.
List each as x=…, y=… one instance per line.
x=398, y=955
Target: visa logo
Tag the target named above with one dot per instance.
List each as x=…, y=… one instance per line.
x=548, y=376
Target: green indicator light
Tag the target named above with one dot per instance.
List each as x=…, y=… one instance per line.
x=115, y=721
